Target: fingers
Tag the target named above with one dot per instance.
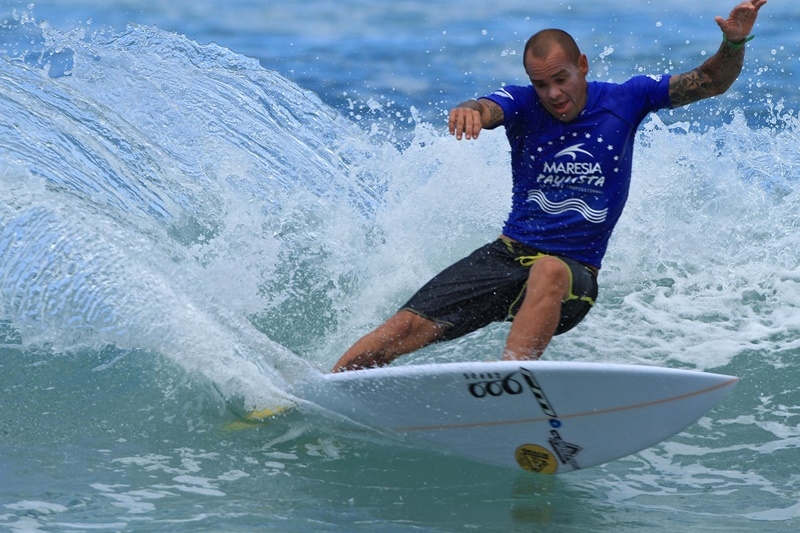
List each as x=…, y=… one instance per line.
x=464, y=122
x=740, y=22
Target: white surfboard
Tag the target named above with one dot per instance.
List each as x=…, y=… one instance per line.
x=545, y=417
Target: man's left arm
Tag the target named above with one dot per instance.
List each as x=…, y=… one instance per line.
x=718, y=73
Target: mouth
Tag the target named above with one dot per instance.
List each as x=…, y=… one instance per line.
x=562, y=108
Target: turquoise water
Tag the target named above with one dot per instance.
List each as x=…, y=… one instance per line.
x=204, y=203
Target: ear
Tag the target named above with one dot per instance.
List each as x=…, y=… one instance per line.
x=583, y=64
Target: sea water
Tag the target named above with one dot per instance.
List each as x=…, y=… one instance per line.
x=203, y=202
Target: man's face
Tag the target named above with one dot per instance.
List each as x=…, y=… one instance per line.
x=559, y=82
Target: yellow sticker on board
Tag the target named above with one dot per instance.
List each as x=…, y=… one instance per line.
x=535, y=458
x=255, y=418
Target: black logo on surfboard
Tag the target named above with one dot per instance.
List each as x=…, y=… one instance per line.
x=493, y=384
x=566, y=451
x=537, y=391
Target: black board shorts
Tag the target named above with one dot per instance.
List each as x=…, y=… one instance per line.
x=489, y=285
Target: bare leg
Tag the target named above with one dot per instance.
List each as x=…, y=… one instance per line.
x=402, y=333
x=537, y=319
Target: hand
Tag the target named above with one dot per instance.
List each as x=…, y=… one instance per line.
x=464, y=121
x=740, y=22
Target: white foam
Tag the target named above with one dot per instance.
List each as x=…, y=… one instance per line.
x=37, y=507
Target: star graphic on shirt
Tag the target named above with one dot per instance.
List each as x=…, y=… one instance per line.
x=610, y=147
x=599, y=140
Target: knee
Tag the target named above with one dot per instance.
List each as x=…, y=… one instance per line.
x=405, y=324
x=550, y=275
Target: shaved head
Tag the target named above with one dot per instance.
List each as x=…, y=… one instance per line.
x=557, y=71
x=543, y=42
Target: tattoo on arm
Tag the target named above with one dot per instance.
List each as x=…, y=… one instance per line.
x=491, y=113
x=712, y=78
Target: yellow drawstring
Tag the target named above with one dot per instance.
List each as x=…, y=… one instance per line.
x=529, y=260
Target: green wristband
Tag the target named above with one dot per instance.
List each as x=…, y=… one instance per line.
x=736, y=46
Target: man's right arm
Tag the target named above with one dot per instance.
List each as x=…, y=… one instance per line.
x=468, y=118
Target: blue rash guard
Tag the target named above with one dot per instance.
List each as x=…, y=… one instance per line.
x=571, y=179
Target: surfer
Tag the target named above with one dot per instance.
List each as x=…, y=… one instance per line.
x=571, y=158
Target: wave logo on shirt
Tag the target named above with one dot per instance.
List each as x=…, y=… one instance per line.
x=503, y=93
x=573, y=152
x=570, y=204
